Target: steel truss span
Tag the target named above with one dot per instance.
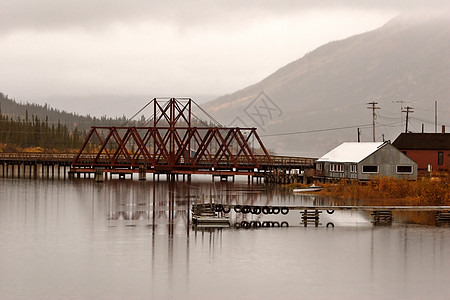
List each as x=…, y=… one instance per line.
x=173, y=140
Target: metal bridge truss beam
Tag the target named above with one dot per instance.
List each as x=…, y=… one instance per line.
x=171, y=148
x=173, y=143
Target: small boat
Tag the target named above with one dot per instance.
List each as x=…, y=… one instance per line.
x=311, y=188
x=211, y=221
x=206, y=216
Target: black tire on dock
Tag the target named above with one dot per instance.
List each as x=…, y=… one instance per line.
x=330, y=211
x=245, y=224
x=275, y=210
x=237, y=208
x=218, y=207
x=226, y=209
x=284, y=224
x=245, y=209
x=255, y=224
x=285, y=210
x=237, y=225
x=265, y=224
x=330, y=224
x=265, y=210
x=256, y=210
x=275, y=224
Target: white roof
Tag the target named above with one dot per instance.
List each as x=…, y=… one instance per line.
x=351, y=152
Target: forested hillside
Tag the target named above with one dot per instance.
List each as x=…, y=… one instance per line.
x=13, y=109
x=37, y=128
x=33, y=135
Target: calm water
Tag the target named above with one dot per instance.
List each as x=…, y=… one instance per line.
x=125, y=239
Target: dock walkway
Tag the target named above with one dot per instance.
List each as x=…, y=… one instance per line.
x=310, y=214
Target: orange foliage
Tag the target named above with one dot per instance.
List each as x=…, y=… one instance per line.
x=33, y=150
x=384, y=190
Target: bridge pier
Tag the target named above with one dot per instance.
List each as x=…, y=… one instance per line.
x=99, y=175
x=382, y=217
x=222, y=177
x=311, y=217
x=28, y=168
x=442, y=217
x=142, y=174
x=286, y=175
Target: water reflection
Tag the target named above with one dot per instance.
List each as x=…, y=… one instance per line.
x=124, y=239
x=135, y=203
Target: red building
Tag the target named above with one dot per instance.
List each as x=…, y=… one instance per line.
x=431, y=151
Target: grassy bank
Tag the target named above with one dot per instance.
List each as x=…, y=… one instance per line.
x=389, y=191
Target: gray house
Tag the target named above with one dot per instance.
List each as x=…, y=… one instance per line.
x=363, y=161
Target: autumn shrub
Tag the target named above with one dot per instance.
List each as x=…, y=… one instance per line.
x=391, y=191
x=435, y=191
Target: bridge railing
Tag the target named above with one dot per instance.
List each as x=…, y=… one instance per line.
x=288, y=161
x=37, y=156
x=264, y=161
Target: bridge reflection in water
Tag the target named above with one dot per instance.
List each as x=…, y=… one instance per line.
x=168, y=204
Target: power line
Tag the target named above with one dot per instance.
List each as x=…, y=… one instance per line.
x=426, y=121
x=394, y=124
x=316, y=130
x=388, y=118
x=330, y=129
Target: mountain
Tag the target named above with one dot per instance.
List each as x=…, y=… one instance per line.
x=406, y=62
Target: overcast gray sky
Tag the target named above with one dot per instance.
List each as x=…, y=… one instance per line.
x=82, y=48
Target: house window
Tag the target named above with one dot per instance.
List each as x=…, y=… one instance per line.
x=440, y=158
x=404, y=169
x=336, y=168
x=354, y=168
x=370, y=169
x=319, y=167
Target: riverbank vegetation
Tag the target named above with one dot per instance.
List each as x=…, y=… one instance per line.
x=433, y=190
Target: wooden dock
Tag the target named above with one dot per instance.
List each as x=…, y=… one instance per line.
x=310, y=214
x=370, y=208
x=339, y=207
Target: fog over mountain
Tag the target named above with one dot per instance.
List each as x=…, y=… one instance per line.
x=306, y=104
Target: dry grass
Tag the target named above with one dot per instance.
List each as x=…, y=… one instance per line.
x=433, y=190
x=389, y=191
x=386, y=191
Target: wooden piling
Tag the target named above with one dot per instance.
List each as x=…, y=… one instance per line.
x=99, y=175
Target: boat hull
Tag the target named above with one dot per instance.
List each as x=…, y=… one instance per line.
x=315, y=189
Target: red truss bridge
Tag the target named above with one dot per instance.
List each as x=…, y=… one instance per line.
x=175, y=140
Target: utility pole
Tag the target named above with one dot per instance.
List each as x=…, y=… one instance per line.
x=408, y=110
x=401, y=110
x=373, y=108
x=359, y=135
x=435, y=117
